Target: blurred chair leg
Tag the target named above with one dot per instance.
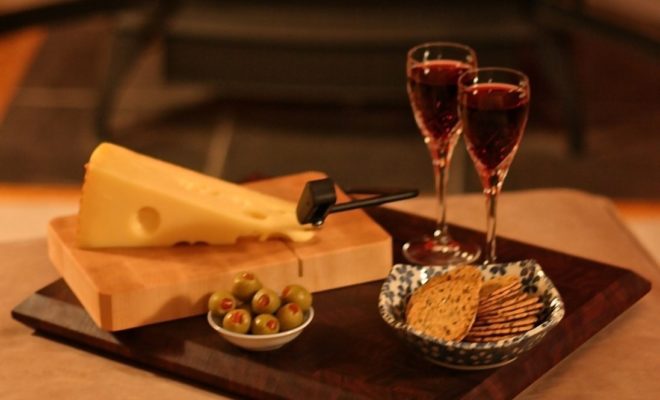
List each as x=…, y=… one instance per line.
x=125, y=51
x=556, y=53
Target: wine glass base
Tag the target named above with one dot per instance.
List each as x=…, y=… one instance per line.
x=427, y=250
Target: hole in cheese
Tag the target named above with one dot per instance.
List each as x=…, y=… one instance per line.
x=148, y=220
x=255, y=214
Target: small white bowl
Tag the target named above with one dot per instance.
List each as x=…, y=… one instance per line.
x=259, y=342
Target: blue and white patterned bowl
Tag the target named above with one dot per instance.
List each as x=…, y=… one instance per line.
x=404, y=279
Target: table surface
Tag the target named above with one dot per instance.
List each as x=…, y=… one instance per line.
x=619, y=362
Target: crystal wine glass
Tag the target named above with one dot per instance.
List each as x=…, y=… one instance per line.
x=433, y=70
x=493, y=105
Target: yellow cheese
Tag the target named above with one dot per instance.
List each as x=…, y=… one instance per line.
x=131, y=200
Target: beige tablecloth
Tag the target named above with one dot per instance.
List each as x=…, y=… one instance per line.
x=620, y=362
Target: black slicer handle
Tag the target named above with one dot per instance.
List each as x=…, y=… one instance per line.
x=318, y=200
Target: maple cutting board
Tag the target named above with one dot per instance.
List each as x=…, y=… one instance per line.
x=131, y=287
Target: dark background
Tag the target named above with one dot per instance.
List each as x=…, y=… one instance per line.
x=168, y=107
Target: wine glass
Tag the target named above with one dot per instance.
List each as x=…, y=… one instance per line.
x=433, y=70
x=493, y=107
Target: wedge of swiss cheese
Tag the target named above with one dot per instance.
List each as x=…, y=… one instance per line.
x=132, y=200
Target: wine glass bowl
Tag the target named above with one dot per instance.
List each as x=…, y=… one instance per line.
x=493, y=105
x=432, y=71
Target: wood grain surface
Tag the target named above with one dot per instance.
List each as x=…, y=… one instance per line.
x=348, y=351
x=130, y=287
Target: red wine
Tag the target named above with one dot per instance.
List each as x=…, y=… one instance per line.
x=433, y=92
x=494, y=117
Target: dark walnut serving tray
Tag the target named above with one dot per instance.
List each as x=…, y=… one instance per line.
x=348, y=351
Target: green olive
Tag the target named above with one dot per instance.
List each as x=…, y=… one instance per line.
x=290, y=316
x=265, y=324
x=297, y=294
x=265, y=301
x=245, y=285
x=221, y=302
x=237, y=321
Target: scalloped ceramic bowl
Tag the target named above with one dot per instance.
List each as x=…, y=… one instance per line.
x=404, y=279
x=259, y=342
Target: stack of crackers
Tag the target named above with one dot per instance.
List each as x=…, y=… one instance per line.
x=459, y=305
x=504, y=311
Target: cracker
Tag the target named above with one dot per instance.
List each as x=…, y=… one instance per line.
x=507, y=324
x=503, y=292
x=515, y=298
x=530, y=303
x=416, y=312
x=506, y=317
x=447, y=307
x=479, y=332
x=494, y=338
x=504, y=297
x=460, y=272
x=465, y=272
x=504, y=311
x=501, y=282
x=447, y=310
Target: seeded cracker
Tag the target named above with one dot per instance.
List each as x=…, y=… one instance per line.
x=515, y=298
x=500, y=325
x=496, y=284
x=505, y=291
x=494, y=338
x=460, y=272
x=502, y=331
x=504, y=311
x=505, y=318
x=529, y=304
x=446, y=308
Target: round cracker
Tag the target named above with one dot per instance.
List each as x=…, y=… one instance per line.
x=447, y=308
x=503, y=292
x=499, y=331
x=506, y=324
x=527, y=302
x=504, y=302
x=506, y=317
x=500, y=282
x=494, y=338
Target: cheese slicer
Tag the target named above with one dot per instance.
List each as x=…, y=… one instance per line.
x=318, y=199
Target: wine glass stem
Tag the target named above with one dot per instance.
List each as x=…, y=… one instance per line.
x=441, y=174
x=491, y=219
